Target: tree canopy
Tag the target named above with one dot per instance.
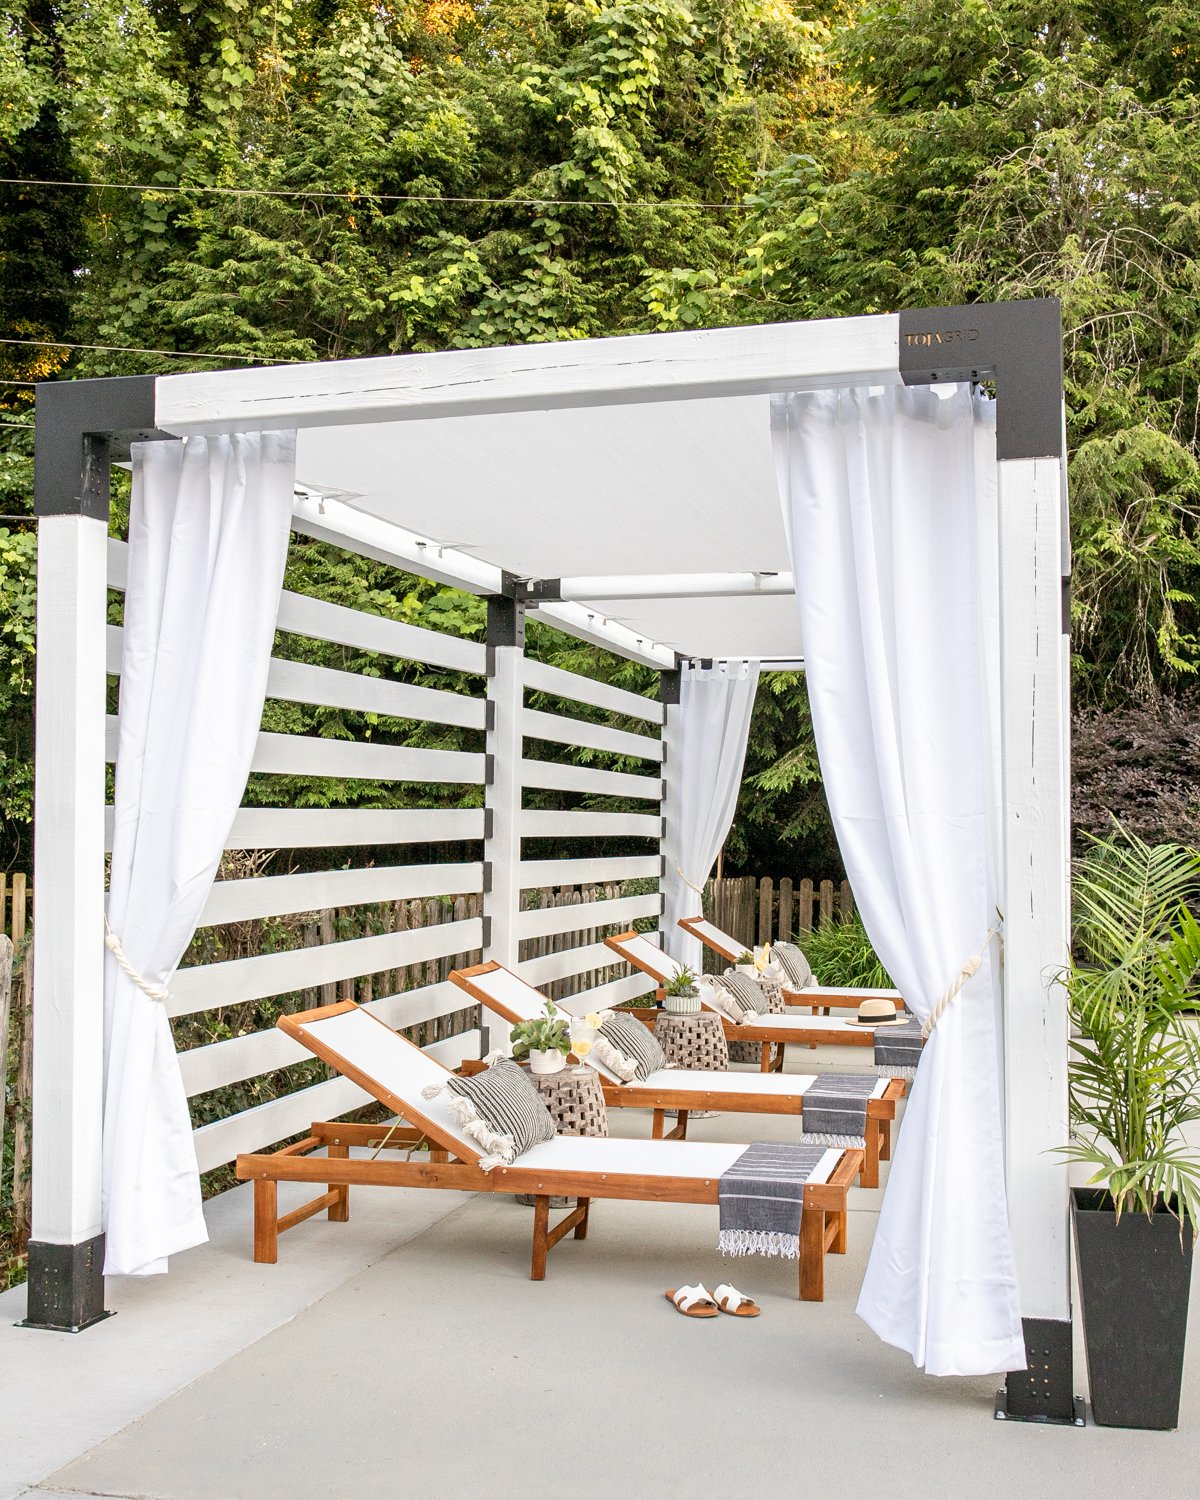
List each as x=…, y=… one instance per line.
x=439, y=174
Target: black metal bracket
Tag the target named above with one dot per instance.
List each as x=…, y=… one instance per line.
x=65, y=1292
x=1016, y=344
x=1043, y=1391
x=505, y=623
x=80, y=428
x=538, y=590
x=669, y=684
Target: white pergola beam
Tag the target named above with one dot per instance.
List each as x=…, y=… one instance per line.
x=588, y=624
x=674, y=586
x=585, y=372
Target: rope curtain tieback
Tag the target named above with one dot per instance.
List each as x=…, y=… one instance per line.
x=699, y=889
x=112, y=942
x=968, y=971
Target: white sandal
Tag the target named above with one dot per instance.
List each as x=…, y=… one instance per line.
x=736, y=1303
x=693, y=1301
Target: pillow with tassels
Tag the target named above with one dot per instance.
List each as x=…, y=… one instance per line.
x=499, y=1109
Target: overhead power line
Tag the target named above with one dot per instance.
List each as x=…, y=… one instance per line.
x=356, y=196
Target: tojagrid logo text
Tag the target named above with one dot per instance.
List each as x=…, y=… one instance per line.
x=936, y=338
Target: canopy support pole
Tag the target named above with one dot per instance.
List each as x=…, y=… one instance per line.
x=76, y=422
x=502, y=794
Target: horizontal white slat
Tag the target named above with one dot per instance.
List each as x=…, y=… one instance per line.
x=258, y=1128
x=208, y=985
x=324, y=828
x=300, y=614
x=301, y=682
x=570, y=961
x=566, y=778
x=539, y=824
x=585, y=914
x=535, y=873
x=222, y=1063
x=306, y=755
x=277, y=895
x=543, y=678
x=564, y=731
x=606, y=996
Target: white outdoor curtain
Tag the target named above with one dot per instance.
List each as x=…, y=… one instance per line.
x=704, y=772
x=208, y=534
x=889, y=502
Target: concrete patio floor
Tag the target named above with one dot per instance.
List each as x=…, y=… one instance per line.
x=407, y=1354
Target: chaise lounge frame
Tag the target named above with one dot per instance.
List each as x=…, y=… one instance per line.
x=774, y=1031
x=453, y=1166
x=881, y=1112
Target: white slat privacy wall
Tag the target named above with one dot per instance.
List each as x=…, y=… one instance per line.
x=387, y=928
x=560, y=936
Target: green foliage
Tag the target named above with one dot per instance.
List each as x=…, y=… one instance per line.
x=683, y=983
x=840, y=954
x=1135, y=1076
x=877, y=154
x=549, y=1033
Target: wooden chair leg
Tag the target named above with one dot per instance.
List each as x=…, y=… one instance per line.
x=658, y=1124
x=869, y=1175
x=812, y=1255
x=266, y=1222
x=885, y=1141
x=765, y=1062
x=541, y=1230
x=581, y=1229
x=839, y=1239
x=339, y=1211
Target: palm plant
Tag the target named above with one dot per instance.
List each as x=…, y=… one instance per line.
x=1135, y=1075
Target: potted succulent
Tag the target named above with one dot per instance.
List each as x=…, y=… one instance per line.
x=744, y=963
x=1134, y=1083
x=682, y=996
x=546, y=1041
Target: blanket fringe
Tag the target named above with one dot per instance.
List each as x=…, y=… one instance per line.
x=885, y=1070
x=830, y=1138
x=759, y=1242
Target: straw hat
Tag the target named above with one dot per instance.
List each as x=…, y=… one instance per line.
x=877, y=1013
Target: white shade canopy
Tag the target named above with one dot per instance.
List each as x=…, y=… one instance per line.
x=639, y=490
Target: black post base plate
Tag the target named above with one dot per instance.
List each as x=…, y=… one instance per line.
x=1078, y=1419
x=63, y=1327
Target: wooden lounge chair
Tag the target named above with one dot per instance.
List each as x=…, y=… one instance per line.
x=818, y=996
x=682, y=1090
x=769, y=1031
x=392, y=1070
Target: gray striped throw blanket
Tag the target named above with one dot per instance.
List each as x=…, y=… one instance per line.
x=898, y=1049
x=835, y=1109
x=761, y=1198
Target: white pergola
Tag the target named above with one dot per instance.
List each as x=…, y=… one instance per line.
x=623, y=489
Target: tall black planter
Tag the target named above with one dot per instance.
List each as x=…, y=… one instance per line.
x=1134, y=1280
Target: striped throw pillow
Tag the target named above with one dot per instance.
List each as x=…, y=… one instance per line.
x=797, y=970
x=637, y=1042
x=501, y=1111
x=742, y=994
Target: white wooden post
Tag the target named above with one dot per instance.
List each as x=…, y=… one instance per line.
x=65, y=1251
x=1035, y=897
x=502, y=795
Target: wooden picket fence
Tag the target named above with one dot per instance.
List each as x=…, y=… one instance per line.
x=756, y=911
x=16, y=1061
